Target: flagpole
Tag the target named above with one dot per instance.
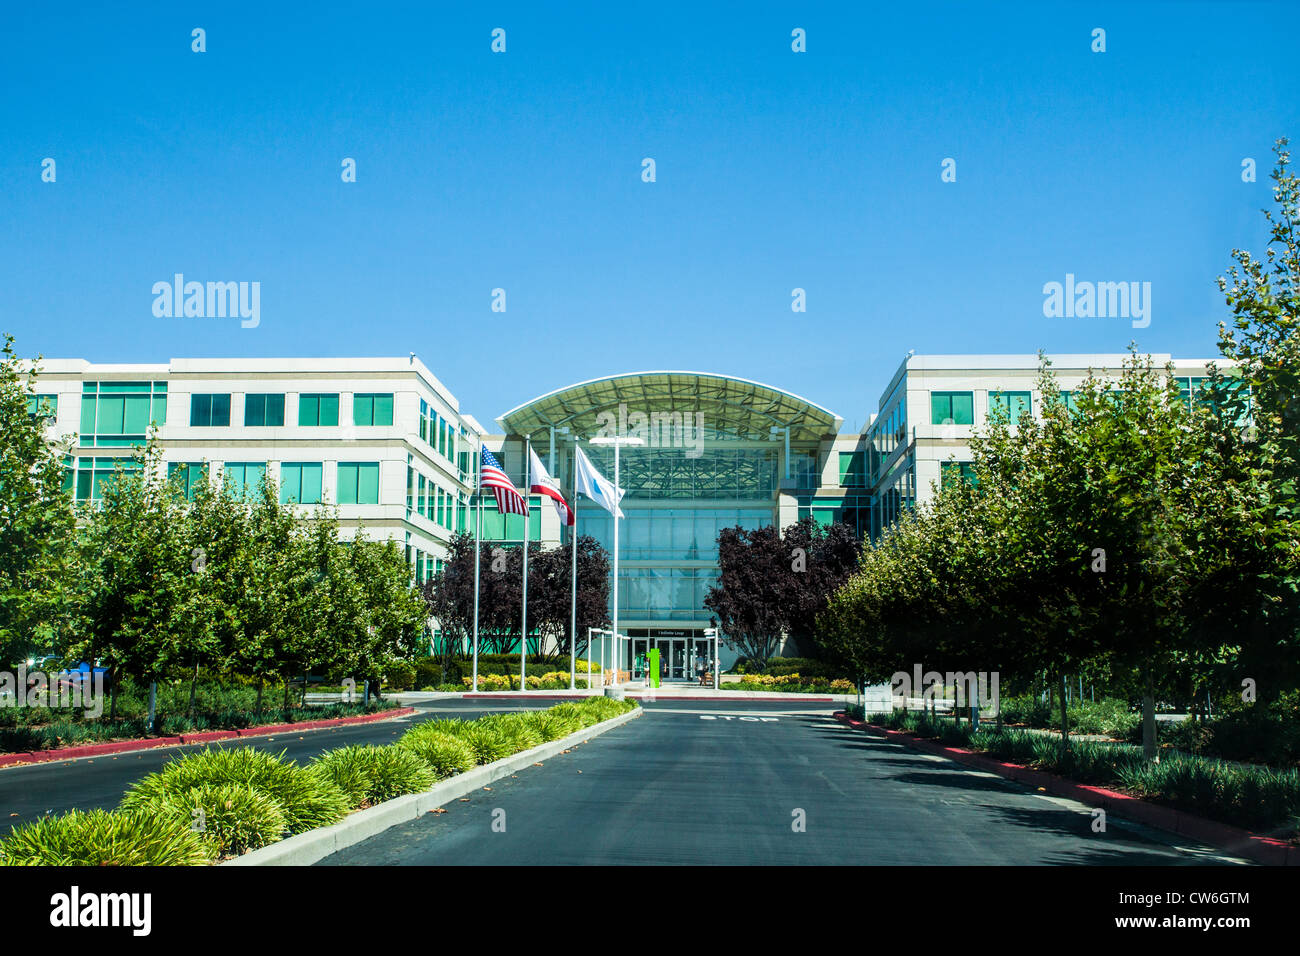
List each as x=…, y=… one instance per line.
x=616, y=512
x=478, y=534
x=573, y=600
x=523, y=624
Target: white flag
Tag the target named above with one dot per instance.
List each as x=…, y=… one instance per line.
x=596, y=487
x=540, y=482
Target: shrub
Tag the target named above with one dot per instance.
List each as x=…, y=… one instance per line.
x=309, y=800
x=1027, y=709
x=231, y=818
x=519, y=731
x=584, y=716
x=399, y=675
x=445, y=754
x=488, y=743
x=375, y=773
x=553, y=726
x=104, y=838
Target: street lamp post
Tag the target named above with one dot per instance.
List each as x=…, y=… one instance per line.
x=617, y=441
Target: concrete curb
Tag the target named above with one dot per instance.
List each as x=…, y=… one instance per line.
x=655, y=698
x=307, y=848
x=1230, y=839
x=150, y=743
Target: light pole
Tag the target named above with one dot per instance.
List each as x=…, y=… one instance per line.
x=617, y=441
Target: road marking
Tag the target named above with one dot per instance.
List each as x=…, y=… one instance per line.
x=749, y=713
x=766, y=720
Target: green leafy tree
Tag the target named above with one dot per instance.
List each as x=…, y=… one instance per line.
x=1262, y=391
x=36, y=517
x=133, y=559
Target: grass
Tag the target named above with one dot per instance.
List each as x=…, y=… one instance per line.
x=445, y=754
x=309, y=800
x=1244, y=795
x=231, y=818
x=104, y=838
x=371, y=774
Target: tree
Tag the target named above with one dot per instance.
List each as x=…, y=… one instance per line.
x=821, y=560
x=450, y=594
x=1263, y=391
x=751, y=565
x=133, y=560
x=36, y=517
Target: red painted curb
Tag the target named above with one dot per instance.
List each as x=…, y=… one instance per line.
x=149, y=743
x=1241, y=842
x=206, y=735
x=657, y=697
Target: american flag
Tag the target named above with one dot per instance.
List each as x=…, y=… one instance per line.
x=491, y=475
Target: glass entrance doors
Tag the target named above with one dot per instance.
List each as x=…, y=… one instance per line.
x=682, y=656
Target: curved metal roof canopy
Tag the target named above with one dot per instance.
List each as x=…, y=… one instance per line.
x=731, y=406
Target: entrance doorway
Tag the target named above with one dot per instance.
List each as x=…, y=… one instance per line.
x=684, y=654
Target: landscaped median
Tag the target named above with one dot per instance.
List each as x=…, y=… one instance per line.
x=220, y=804
x=1160, y=794
x=200, y=737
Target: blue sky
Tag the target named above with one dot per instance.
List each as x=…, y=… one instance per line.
x=522, y=171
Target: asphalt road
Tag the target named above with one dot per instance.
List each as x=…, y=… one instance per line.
x=33, y=790
x=729, y=783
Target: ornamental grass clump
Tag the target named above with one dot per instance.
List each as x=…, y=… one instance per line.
x=445, y=754
x=371, y=774
x=231, y=818
x=309, y=800
x=488, y=743
x=105, y=838
x=553, y=726
x=519, y=731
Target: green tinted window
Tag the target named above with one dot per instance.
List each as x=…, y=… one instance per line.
x=264, y=411
x=1012, y=405
x=301, y=482
x=358, y=483
x=47, y=406
x=852, y=472
x=244, y=477
x=952, y=408
x=120, y=413
x=210, y=411
x=318, y=409
x=187, y=476
x=372, y=409
x=957, y=471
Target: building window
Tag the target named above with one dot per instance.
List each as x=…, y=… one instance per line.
x=957, y=471
x=264, y=411
x=852, y=470
x=209, y=411
x=120, y=413
x=318, y=410
x=44, y=406
x=1069, y=401
x=300, y=481
x=952, y=408
x=358, y=483
x=1011, y=404
x=244, y=478
x=91, y=477
x=372, y=409
x=187, y=475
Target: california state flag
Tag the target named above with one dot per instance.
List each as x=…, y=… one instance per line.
x=541, y=483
